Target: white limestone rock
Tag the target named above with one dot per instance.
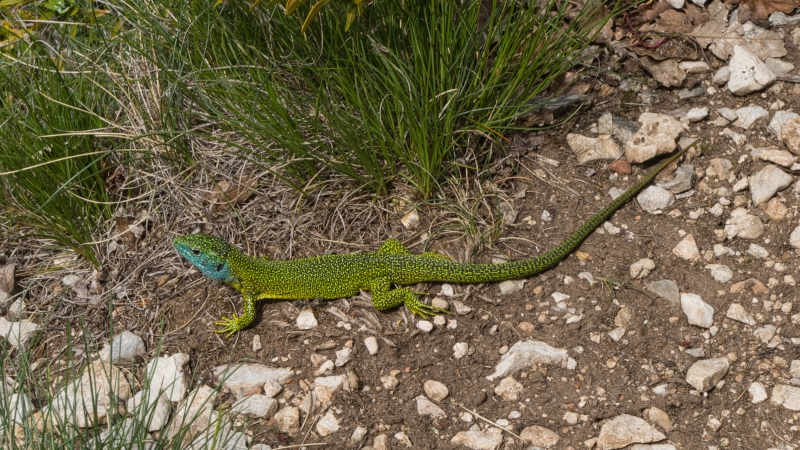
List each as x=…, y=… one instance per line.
x=758, y=393
x=705, y=374
x=306, y=319
x=91, y=399
x=509, y=389
x=168, y=374
x=436, y=390
x=258, y=405
x=790, y=135
x=655, y=199
x=666, y=289
x=786, y=396
x=697, y=114
x=757, y=251
x=687, y=249
x=425, y=407
x=588, y=149
x=779, y=66
x=656, y=136
x=697, y=311
x=750, y=115
x=525, y=354
x=372, y=345
x=489, y=439
x=326, y=387
x=18, y=333
x=540, y=437
x=642, y=268
x=720, y=272
x=748, y=73
x=288, y=420
x=511, y=286
x=682, y=182
x=779, y=119
x=328, y=424
x=625, y=430
x=692, y=67
x=767, y=182
x=743, y=225
x=780, y=157
x=765, y=333
x=721, y=76
x=249, y=378
x=739, y=314
x=154, y=411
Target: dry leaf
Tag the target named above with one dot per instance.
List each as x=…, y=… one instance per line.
x=7, y=278
x=129, y=234
x=677, y=22
x=227, y=193
x=763, y=8
x=650, y=10
x=665, y=72
x=721, y=39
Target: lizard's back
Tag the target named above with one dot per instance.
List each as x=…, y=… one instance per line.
x=338, y=276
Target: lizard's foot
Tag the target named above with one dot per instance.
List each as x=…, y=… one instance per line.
x=229, y=326
x=423, y=310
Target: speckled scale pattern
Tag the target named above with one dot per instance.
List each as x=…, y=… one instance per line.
x=338, y=276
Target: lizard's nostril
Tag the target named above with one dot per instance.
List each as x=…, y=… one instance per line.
x=196, y=252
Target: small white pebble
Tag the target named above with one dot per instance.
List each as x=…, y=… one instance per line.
x=372, y=345
x=425, y=326
x=460, y=350
x=447, y=290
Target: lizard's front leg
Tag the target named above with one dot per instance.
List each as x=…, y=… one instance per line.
x=235, y=323
x=383, y=298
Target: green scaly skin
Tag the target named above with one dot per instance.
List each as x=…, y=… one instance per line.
x=339, y=276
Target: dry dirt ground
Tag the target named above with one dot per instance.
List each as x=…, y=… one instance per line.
x=164, y=302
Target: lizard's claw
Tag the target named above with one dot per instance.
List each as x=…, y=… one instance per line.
x=228, y=325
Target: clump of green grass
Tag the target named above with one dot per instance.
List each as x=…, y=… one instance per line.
x=50, y=173
x=73, y=110
x=397, y=95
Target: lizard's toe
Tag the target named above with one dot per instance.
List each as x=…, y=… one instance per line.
x=228, y=326
x=426, y=311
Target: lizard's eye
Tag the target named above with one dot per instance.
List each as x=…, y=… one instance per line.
x=220, y=267
x=196, y=252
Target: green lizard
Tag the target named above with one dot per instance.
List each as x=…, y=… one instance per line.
x=339, y=276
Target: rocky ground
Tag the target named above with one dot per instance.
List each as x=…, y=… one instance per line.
x=675, y=325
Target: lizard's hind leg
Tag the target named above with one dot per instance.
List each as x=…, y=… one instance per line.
x=383, y=298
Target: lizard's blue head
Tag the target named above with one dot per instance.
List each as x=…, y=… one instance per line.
x=207, y=253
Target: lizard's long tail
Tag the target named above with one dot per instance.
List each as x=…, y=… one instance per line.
x=479, y=273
